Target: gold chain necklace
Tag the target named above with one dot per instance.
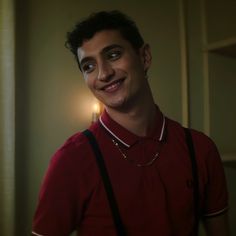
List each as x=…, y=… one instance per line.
x=133, y=162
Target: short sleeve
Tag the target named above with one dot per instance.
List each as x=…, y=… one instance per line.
x=56, y=211
x=216, y=195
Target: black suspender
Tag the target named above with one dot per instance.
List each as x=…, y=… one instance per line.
x=107, y=184
x=192, y=156
x=120, y=229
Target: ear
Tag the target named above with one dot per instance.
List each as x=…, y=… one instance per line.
x=146, y=56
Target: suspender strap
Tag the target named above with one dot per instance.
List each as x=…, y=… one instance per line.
x=108, y=187
x=192, y=156
x=107, y=184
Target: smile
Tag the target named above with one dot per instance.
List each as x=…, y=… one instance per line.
x=113, y=86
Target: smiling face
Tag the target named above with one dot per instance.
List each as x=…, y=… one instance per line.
x=113, y=70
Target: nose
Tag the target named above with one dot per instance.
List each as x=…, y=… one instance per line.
x=105, y=71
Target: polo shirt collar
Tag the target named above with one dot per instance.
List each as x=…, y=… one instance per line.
x=127, y=138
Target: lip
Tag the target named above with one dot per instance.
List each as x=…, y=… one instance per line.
x=113, y=86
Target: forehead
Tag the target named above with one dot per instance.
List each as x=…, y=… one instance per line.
x=100, y=41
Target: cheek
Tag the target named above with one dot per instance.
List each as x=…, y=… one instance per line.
x=90, y=82
x=134, y=65
x=86, y=80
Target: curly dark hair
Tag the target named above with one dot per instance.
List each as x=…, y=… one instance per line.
x=103, y=20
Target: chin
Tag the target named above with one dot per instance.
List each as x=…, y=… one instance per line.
x=118, y=105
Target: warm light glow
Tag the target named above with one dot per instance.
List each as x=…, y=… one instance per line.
x=96, y=108
x=96, y=111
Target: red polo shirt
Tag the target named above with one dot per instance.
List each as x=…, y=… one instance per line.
x=154, y=199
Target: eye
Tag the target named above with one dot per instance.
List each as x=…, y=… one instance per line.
x=114, y=55
x=88, y=67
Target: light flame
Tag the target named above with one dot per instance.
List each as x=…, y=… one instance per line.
x=96, y=108
x=96, y=111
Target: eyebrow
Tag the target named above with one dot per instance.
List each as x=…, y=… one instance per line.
x=110, y=47
x=104, y=50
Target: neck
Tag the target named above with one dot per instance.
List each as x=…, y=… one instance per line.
x=139, y=119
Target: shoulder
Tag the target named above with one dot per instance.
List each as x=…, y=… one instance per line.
x=203, y=144
x=176, y=128
x=76, y=152
x=73, y=146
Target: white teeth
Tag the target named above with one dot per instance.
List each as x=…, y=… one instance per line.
x=112, y=86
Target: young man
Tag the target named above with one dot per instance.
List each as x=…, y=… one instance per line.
x=146, y=155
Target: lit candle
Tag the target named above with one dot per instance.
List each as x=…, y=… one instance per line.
x=96, y=111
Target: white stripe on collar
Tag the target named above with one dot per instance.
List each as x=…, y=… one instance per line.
x=100, y=118
x=127, y=145
x=33, y=233
x=163, y=128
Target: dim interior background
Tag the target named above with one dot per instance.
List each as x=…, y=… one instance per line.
x=43, y=99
